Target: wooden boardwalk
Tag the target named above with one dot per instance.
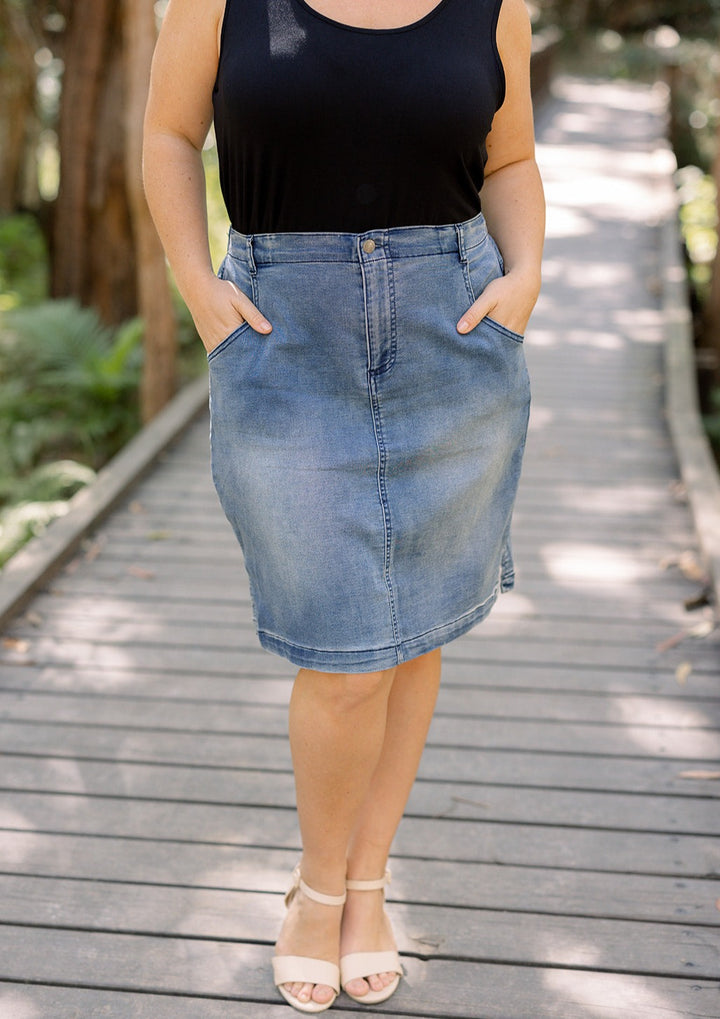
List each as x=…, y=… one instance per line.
x=560, y=853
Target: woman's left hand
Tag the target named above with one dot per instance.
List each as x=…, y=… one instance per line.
x=508, y=300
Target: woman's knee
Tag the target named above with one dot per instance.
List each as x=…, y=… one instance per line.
x=346, y=692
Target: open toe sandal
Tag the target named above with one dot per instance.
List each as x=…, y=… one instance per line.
x=360, y=965
x=298, y=969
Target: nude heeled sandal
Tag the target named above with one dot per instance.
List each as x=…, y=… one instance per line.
x=299, y=969
x=361, y=965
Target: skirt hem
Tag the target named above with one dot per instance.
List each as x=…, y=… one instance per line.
x=375, y=659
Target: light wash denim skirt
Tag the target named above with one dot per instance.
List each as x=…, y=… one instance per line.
x=365, y=453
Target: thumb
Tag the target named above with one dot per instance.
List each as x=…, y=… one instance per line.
x=254, y=318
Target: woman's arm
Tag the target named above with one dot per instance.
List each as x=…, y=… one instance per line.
x=512, y=195
x=177, y=120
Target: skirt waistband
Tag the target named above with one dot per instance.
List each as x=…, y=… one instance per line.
x=395, y=242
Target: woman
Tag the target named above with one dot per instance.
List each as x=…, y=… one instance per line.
x=368, y=389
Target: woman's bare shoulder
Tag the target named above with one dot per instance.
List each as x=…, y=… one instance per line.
x=195, y=15
x=513, y=29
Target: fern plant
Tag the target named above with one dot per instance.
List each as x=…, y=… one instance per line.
x=68, y=385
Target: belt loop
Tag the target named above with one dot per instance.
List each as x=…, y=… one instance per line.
x=250, y=259
x=460, y=234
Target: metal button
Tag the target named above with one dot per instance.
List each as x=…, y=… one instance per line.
x=368, y=246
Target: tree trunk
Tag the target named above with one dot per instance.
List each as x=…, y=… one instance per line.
x=158, y=381
x=18, y=123
x=93, y=252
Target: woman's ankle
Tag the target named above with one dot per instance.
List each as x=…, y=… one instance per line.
x=322, y=875
x=367, y=862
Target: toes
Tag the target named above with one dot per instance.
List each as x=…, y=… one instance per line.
x=374, y=982
x=320, y=993
x=357, y=987
x=379, y=981
x=302, y=992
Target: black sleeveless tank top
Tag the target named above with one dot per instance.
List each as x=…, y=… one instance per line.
x=323, y=126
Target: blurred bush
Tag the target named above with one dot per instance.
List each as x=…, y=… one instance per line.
x=68, y=385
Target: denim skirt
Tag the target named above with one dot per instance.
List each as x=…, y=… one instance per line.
x=365, y=453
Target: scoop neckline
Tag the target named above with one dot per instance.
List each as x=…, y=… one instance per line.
x=373, y=31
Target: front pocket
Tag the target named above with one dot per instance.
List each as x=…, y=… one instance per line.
x=224, y=344
x=483, y=265
x=510, y=333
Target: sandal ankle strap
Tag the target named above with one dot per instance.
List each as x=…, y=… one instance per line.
x=369, y=886
x=325, y=900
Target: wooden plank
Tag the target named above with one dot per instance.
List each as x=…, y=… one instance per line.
x=698, y=748
x=471, y=934
x=248, y=684
x=550, y=733
x=448, y=764
x=561, y=892
x=596, y=809
x=466, y=766
x=200, y=710
x=22, y=1000
x=442, y=988
x=244, y=868
x=524, y=846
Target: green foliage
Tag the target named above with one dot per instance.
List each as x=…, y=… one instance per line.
x=68, y=386
x=47, y=483
x=23, y=261
x=36, y=500
x=20, y=523
x=695, y=101
x=698, y=221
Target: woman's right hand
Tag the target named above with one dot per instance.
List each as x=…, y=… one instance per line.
x=219, y=308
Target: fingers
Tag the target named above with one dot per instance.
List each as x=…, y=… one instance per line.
x=508, y=300
x=484, y=305
x=473, y=316
x=254, y=318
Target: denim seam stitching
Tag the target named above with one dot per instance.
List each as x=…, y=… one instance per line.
x=468, y=281
x=325, y=651
x=384, y=506
x=392, y=354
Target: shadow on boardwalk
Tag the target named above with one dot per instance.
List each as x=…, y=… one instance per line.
x=559, y=851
